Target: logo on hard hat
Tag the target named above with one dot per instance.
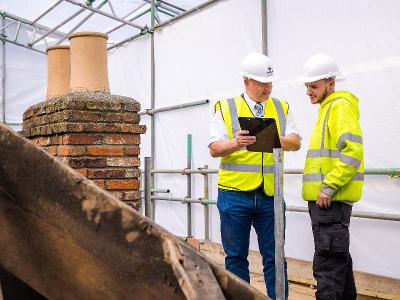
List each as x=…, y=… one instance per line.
x=270, y=71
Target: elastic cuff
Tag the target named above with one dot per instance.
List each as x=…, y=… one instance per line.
x=326, y=189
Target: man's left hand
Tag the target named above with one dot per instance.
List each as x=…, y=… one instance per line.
x=323, y=200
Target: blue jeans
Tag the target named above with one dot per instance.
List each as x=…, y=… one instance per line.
x=238, y=211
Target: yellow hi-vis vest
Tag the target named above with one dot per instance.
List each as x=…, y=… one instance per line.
x=243, y=170
x=334, y=163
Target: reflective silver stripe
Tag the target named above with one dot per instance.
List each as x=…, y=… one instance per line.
x=234, y=116
x=348, y=137
x=319, y=177
x=313, y=177
x=323, y=153
x=268, y=169
x=358, y=176
x=354, y=162
x=240, y=167
x=281, y=115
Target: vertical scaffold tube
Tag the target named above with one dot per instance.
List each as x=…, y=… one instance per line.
x=279, y=225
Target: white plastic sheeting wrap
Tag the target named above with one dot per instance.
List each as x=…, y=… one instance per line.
x=198, y=58
x=26, y=81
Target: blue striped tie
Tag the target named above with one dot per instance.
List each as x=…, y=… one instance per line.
x=259, y=110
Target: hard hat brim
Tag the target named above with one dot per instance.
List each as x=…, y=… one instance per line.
x=306, y=79
x=261, y=79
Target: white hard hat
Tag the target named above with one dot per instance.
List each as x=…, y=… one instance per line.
x=258, y=66
x=320, y=66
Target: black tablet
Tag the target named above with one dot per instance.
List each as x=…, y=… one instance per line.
x=265, y=131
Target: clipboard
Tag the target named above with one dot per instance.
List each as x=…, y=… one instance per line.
x=266, y=132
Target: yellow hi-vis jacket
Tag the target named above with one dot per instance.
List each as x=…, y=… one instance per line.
x=243, y=170
x=334, y=163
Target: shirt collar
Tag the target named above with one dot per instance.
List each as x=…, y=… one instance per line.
x=251, y=102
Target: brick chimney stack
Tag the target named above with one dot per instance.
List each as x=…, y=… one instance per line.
x=95, y=133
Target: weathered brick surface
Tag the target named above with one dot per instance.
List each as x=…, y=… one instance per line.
x=123, y=162
x=82, y=139
x=131, y=195
x=71, y=150
x=106, y=173
x=132, y=173
x=105, y=150
x=132, y=151
x=97, y=134
x=122, y=184
x=122, y=139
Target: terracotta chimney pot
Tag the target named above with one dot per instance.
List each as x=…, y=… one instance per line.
x=58, y=71
x=89, y=62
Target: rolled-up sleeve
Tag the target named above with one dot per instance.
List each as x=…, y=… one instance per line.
x=218, y=131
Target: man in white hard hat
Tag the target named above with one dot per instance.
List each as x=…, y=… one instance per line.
x=333, y=177
x=245, y=182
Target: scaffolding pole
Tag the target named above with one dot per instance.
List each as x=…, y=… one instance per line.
x=279, y=225
x=189, y=185
x=130, y=19
x=46, y=11
x=105, y=14
x=264, y=27
x=81, y=22
x=77, y=13
x=173, y=107
x=147, y=188
x=153, y=94
x=206, y=206
x=188, y=12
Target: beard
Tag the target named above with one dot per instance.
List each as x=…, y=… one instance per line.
x=323, y=96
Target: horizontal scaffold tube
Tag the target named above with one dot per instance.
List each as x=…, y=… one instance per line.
x=173, y=107
x=371, y=171
x=357, y=214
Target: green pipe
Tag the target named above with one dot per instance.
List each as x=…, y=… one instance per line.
x=189, y=146
x=383, y=171
x=208, y=201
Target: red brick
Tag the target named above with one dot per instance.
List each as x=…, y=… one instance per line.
x=123, y=162
x=132, y=151
x=105, y=150
x=122, y=184
x=84, y=162
x=122, y=139
x=56, y=140
x=42, y=141
x=71, y=150
x=106, y=173
x=82, y=139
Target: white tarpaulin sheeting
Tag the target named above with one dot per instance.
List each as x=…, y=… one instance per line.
x=198, y=57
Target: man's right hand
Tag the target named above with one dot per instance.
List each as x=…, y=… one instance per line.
x=226, y=147
x=242, y=139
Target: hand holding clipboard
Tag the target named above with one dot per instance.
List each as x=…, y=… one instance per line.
x=265, y=131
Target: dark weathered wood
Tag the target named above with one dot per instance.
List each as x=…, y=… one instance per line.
x=68, y=239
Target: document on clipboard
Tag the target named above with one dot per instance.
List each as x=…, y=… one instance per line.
x=265, y=131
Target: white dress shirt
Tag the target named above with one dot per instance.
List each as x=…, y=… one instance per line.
x=218, y=131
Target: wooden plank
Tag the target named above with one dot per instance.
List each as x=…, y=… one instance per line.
x=68, y=239
x=300, y=271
